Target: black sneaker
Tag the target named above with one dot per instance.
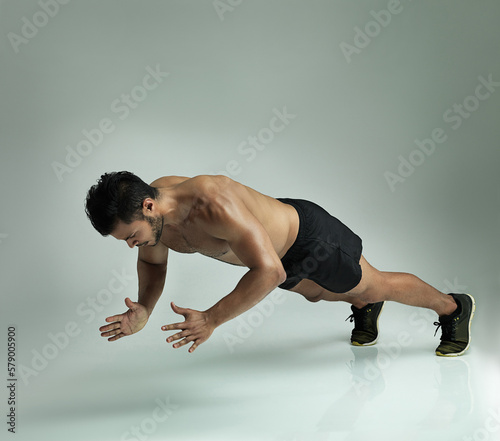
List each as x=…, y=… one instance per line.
x=455, y=338
x=365, y=332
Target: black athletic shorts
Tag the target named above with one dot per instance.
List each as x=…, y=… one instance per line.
x=325, y=251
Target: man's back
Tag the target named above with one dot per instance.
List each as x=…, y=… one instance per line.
x=198, y=200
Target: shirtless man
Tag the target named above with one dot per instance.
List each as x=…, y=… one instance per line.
x=288, y=243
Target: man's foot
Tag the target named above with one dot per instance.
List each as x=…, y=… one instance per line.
x=365, y=332
x=455, y=338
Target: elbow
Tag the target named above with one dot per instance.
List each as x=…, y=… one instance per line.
x=273, y=275
x=277, y=274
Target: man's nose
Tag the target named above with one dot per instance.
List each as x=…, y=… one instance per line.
x=132, y=243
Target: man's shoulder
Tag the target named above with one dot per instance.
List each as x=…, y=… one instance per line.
x=168, y=181
x=212, y=184
x=202, y=182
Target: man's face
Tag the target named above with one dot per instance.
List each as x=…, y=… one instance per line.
x=146, y=232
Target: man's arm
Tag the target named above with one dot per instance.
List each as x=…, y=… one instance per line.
x=151, y=270
x=250, y=242
x=230, y=220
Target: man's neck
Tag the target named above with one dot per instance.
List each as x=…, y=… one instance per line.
x=173, y=206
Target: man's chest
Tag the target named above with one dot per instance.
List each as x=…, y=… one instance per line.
x=193, y=240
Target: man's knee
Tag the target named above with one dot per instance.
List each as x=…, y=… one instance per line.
x=309, y=290
x=315, y=298
x=379, y=289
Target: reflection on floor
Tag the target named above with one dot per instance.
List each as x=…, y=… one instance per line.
x=280, y=382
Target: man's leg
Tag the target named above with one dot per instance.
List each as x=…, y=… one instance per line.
x=376, y=286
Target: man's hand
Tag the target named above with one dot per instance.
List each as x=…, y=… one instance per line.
x=127, y=323
x=196, y=328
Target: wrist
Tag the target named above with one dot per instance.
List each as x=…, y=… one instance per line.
x=213, y=317
x=149, y=309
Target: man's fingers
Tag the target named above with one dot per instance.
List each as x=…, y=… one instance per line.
x=110, y=327
x=114, y=329
x=111, y=332
x=130, y=304
x=183, y=342
x=116, y=337
x=178, y=309
x=115, y=318
x=177, y=336
x=174, y=326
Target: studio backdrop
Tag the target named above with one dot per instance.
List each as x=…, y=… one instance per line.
x=385, y=113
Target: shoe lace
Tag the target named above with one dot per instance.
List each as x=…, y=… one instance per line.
x=438, y=325
x=447, y=330
x=359, y=318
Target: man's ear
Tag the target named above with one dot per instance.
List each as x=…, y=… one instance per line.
x=148, y=205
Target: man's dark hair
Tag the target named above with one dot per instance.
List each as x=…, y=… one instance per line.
x=117, y=196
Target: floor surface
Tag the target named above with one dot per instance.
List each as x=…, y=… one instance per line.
x=274, y=374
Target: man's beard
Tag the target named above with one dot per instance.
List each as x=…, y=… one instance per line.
x=157, y=226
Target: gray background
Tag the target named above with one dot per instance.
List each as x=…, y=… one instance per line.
x=354, y=119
